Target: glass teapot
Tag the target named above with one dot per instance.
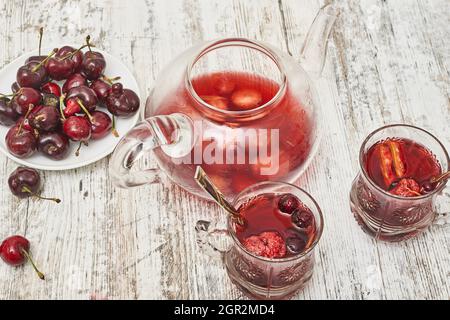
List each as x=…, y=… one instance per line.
x=243, y=110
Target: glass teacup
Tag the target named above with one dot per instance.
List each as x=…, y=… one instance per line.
x=388, y=216
x=257, y=276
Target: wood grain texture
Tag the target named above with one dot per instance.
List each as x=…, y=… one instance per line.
x=388, y=62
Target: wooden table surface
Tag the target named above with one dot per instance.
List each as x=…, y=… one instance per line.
x=388, y=62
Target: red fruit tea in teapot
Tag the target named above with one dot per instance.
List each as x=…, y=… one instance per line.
x=271, y=141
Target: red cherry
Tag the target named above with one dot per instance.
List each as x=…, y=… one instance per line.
x=31, y=75
x=93, y=65
x=8, y=114
x=86, y=95
x=26, y=182
x=26, y=97
x=302, y=218
x=72, y=107
x=15, y=250
x=122, y=102
x=101, y=124
x=288, y=203
x=11, y=250
x=77, y=128
x=65, y=62
x=20, y=142
x=25, y=122
x=51, y=87
x=101, y=88
x=74, y=81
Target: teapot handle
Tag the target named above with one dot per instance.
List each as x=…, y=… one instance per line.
x=173, y=133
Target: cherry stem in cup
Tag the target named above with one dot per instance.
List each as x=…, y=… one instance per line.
x=442, y=177
x=27, y=190
x=84, y=109
x=41, y=33
x=205, y=183
x=27, y=255
x=51, y=54
x=113, y=129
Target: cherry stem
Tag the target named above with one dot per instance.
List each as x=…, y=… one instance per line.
x=27, y=190
x=26, y=254
x=110, y=80
x=88, y=43
x=41, y=33
x=61, y=103
x=84, y=109
x=77, y=152
x=7, y=95
x=19, y=131
x=113, y=129
x=36, y=68
x=70, y=55
x=440, y=178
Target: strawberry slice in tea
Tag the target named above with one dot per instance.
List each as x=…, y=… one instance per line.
x=402, y=167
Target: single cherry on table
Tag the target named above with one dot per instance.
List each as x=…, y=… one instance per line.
x=15, y=251
x=26, y=182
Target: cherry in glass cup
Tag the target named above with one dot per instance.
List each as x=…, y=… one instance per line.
x=392, y=197
x=271, y=256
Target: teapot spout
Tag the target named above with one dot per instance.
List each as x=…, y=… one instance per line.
x=314, y=48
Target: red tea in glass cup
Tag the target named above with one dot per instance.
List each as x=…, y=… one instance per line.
x=392, y=197
x=271, y=256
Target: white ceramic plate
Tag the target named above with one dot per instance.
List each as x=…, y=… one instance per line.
x=97, y=149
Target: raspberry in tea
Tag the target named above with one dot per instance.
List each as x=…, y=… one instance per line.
x=402, y=167
x=276, y=226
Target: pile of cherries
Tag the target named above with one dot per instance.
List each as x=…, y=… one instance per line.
x=45, y=116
